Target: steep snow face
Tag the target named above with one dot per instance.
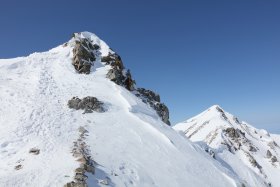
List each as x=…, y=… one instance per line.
x=251, y=153
x=129, y=143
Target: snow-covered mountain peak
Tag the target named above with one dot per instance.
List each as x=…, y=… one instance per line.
x=214, y=113
x=215, y=107
x=252, y=153
x=73, y=116
x=93, y=39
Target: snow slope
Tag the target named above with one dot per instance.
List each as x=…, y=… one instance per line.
x=129, y=143
x=236, y=145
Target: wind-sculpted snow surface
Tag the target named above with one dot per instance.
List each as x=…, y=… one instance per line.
x=128, y=143
x=251, y=153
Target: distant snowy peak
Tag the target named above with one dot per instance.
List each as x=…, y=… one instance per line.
x=225, y=135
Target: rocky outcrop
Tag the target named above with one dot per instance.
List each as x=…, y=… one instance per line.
x=114, y=60
x=122, y=77
x=118, y=73
x=232, y=132
x=253, y=161
x=88, y=104
x=81, y=152
x=237, y=140
x=153, y=100
x=84, y=55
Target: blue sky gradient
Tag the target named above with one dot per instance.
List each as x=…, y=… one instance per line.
x=194, y=53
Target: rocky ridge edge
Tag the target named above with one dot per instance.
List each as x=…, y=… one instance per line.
x=84, y=55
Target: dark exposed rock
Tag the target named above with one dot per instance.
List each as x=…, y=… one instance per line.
x=18, y=167
x=232, y=132
x=268, y=154
x=163, y=112
x=96, y=47
x=149, y=95
x=114, y=60
x=120, y=78
x=89, y=104
x=274, y=159
x=237, y=139
x=117, y=73
x=84, y=54
x=116, y=76
x=219, y=109
x=254, y=162
x=80, y=177
x=74, y=103
x=89, y=167
x=80, y=170
x=252, y=148
x=153, y=100
x=74, y=184
x=34, y=151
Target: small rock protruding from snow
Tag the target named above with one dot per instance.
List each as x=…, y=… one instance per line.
x=18, y=167
x=34, y=151
x=89, y=104
x=252, y=148
x=268, y=154
x=274, y=159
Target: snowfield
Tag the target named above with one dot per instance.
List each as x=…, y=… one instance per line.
x=129, y=143
x=237, y=145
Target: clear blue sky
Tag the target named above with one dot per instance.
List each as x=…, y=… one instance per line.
x=194, y=53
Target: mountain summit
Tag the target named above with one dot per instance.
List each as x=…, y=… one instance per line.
x=73, y=117
x=251, y=153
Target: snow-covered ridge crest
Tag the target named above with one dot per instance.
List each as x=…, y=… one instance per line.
x=251, y=153
x=43, y=142
x=88, y=50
